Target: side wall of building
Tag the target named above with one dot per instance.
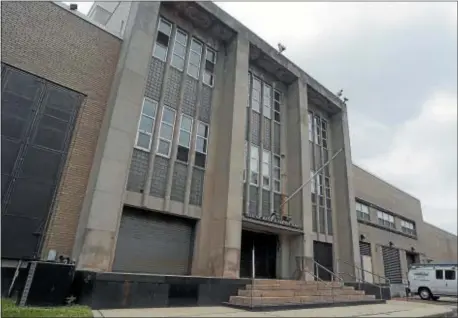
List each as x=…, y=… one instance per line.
x=50, y=42
x=439, y=245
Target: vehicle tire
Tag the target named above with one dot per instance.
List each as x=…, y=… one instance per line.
x=435, y=298
x=424, y=293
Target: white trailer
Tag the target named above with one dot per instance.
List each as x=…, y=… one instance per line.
x=431, y=281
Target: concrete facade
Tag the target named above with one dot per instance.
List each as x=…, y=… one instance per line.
x=291, y=120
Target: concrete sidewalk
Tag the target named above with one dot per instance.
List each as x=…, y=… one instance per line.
x=390, y=309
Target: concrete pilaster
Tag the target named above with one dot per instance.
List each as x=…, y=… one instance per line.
x=102, y=208
x=219, y=233
x=346, y=240
x=298, y=162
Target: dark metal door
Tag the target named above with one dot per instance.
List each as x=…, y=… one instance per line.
x=265, y=246
x=392, y=264
x=150, y=242
x=322, y=253
x=38, y=118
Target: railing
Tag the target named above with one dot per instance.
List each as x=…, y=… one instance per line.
x=301, y=268
x=361, y=280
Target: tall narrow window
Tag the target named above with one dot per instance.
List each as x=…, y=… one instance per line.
x=179, y=50
x=249, y=89
x=266, y=169
x=245, y=153
x=254, y=165
x=267, y=101
x=276, y=173
x=310, y=127
x=313, y=181
x=277, y=103
x=184, y=139
x=146, y=124
x=195, y=56
x=161, y=45
x=166, y=132
x=256, y=95
x=324, y=134
x=316, y=130
x=210, y=61
x=201, y=144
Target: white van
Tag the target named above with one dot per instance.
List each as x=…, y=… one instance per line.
x=431, y=281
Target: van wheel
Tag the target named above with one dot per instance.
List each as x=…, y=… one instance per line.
x=424, y=293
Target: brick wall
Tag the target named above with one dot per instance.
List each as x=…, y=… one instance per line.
x=51, y=42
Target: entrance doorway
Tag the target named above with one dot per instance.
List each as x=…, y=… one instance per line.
x=412, y=258
x=322, y=253
x=265, y=247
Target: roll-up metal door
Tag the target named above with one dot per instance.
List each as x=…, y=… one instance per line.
x=392, y=264
x=150, y=242
x=365, y=248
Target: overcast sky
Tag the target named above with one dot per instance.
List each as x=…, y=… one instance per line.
x=397, y=64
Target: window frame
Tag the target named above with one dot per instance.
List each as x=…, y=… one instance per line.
x=259, y=102
x=310, y=128
x=274, y=169
x=154, y=124
x=205, y=138
x=212, y=73
x=159, y=138
x=279, y=105
x=386, y=219
x=360, y=211
x=267, y=163
x=267, y=108
x=185, y=45
x=195, y=40
x=253, y=159
x=161, y=19
x=182, y=129
x=450, y=271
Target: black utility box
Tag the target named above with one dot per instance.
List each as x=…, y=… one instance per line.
x=46, y=284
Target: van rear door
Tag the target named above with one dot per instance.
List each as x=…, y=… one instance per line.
x=450, y=282
x=437, y=284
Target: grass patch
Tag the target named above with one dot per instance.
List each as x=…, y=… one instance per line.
x=9, y=309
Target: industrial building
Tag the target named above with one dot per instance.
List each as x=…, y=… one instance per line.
x=163, y=137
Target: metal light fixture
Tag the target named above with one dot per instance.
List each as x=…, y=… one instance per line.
x=391, y=244
x=362, y=237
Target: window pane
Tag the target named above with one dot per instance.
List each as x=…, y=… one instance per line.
x=166, y=131
x=149, y=108
x=194, y=58
x=256, y=84
x=208, y=78
x=439, y=274
x=146, y=124
x=168, y=116
x=165, y=27
x=254, y=177
x=196, y=46
x=277, y=174
x=163, y=147
x=193, y=71
x=179, y=50
x=186, y=123
x=266, y=111
x=277, y=186
x=143, y=140
x=254, y=165
x=178, y=62
x=211, y=56
x=201, y=144
x=184, y=138
x=160, y=52
x=181, y=37
x=202, y=130
x=276, y=161
x=450, y=275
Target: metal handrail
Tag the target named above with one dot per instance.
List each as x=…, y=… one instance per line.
x=364, y=270
x=327, y=270
x=359, y=283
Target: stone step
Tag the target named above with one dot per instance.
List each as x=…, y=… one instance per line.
x=285, y=282
x=299, y=286
x=279, y=301
x=299, y=292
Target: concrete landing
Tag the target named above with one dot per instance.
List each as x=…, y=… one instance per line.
x=394, y=308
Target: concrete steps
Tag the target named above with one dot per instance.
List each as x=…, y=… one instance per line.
x=289, y=293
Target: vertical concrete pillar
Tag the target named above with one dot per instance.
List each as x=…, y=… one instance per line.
x=377, y=263
x=298, y=163
x=284, y=270
x=219, y=234
x=102, y=208
x=404, y=266
x=346, y=242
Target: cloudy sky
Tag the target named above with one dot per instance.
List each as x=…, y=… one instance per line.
x=397, y=64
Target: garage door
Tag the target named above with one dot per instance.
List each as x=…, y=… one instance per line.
x=392, y=264
x=150, y=242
